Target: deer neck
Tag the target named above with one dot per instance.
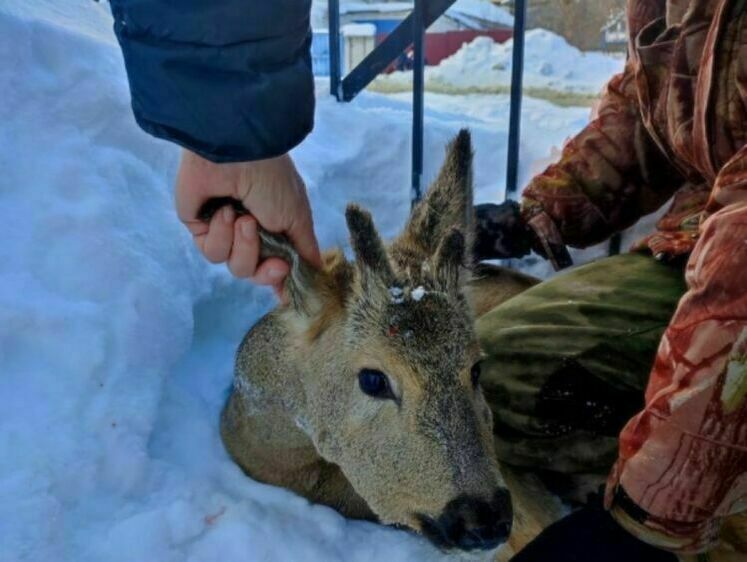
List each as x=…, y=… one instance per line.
x=280, y=360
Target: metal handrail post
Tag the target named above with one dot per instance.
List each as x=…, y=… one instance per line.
x=517, y=76
x=334, y=49
x=418, y=30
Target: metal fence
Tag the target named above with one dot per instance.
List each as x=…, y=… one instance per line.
x=411, y=32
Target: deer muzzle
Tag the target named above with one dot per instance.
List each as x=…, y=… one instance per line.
x=469, y=523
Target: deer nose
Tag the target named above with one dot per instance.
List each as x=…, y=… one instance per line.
x=469, y=523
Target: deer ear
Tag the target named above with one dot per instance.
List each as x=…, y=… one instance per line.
x=302, y=282
x=448, y=203
x=370, y=253
x=451, y=261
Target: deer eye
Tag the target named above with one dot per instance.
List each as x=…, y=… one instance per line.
x=375, y=384
x=475, y=374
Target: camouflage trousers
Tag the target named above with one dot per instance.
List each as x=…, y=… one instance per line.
x=568, y=361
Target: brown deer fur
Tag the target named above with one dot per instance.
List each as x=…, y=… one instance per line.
x=297, y=418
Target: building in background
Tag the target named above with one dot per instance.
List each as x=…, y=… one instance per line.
x=359, y=39
x=462, y=22
x=578, y=21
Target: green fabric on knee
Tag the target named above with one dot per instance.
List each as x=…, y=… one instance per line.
x=568, y=360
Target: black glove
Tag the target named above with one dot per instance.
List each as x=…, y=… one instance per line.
x=590, y=535
x=501, y=232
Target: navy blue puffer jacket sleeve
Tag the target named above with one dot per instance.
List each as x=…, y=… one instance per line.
x=228, y=79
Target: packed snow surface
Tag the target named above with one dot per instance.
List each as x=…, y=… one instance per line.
x=117, y=339
x=549, y=63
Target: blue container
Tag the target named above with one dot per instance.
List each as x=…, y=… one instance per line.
x=320, y=52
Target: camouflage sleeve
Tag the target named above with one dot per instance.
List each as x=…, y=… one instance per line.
x=609, y=175
x=682, y=466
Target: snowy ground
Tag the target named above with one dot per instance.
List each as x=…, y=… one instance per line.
x=117, y=340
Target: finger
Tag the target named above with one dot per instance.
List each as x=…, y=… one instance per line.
x=301, y=235
x=271, y=271
x=245, y=251
x=199, y=241
x=198, y=229
x=199, y=180
x=219, y=239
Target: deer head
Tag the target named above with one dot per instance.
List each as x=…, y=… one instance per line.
x=386, y=369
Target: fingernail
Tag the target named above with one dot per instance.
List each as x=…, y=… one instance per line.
x=227, y=215
x=249, y=229
x=275, y=274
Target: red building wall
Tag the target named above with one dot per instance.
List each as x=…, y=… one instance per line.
x=439, y=46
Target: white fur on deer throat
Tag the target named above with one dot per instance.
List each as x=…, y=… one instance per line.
x=399, y=295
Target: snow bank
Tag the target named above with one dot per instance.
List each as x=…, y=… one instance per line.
x=549, y=63
x=117, y=339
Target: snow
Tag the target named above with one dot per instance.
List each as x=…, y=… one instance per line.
x=117, y=338
x=359, y=30
x=550, y=62
x=396, y=295
x=418, y=293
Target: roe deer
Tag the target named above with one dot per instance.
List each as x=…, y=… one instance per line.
x=363, y=392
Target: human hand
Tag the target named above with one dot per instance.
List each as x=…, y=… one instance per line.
x=275, y=197
x=501, y=233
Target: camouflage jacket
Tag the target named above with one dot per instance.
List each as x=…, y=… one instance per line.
x=673, y=123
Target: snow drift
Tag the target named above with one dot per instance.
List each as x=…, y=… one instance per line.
x=549, y=63
x=117, y=339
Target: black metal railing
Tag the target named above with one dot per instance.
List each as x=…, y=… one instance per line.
x=418, y=87
x=411, y=32
x=517, y=82
x=334, y=49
